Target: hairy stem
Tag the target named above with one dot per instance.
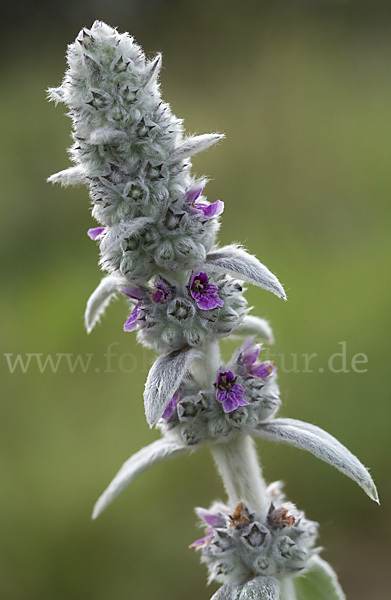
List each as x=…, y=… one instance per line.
x=238, y=465
x=236, y=459
x=204, y=369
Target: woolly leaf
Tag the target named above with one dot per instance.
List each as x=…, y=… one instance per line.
x=163, y=381
x=71, y=176
x=238, y=263
x=320, y=443
x=251, y=325
x=192, y=145
x=261, y=588
x=156, y=452
x=99, y=300
x=319, y=583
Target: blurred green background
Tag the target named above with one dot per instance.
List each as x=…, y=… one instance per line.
x=302, y=91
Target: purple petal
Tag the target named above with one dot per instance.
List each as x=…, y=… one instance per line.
x=202, y=278
x=228, y=375
x=157, y=296
x=230, y=404
x=194, y=193
x=263, y=370
x=132, y=292
x=250, y=353
x=208, y=302
x=95, y=232
x=211, y=519
x=131, y=323
x=171, y=407
x=203, y=540
x=161, y=294
x=210, y=210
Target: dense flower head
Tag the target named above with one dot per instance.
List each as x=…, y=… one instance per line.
x=131, y=151
x=168, y=316
x=239, y=544
x=235, y=404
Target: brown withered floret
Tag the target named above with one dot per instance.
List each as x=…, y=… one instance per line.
x=239, y=516
x=280, y=517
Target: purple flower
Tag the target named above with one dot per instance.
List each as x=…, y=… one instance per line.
x=249, y=356
x=229, y=393
x=161, y=294
x=131, y=323
x=213, y=519
x=194, y=193
x=204, y=293
x=198, y=543
x=132, y=292
x=171, y=406
x=209, y=210
x=95, y=232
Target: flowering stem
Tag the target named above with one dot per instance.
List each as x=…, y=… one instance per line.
x=236, y=460
x=203, y=369
x=238, y=465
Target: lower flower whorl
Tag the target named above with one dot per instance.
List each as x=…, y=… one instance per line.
x=239, y=544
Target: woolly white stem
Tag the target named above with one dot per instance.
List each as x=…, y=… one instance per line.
x=204, y=369
x=236, y=460
x=238, y=465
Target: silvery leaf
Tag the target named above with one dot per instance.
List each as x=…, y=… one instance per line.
x=319, y=583
x=158, y=451
x=163, y=381
x=71, y=176
x=320, y=443
x=238, y=263
x=229, y=591
x=99, y=299
x=192, y=145
x=255, y=326
x=261, y=588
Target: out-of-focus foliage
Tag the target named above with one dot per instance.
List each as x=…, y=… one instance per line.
x=302, y=92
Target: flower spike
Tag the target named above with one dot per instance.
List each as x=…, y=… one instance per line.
x=156, y=234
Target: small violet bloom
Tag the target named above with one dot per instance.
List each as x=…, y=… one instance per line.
x=136, y=294
x=199, y=543
x=161, y=294
x=249, y=357
x=209, y=210
x=171, y=406
x=131, y=323
x=229, y=393
x=204, y=293
x=95, y=233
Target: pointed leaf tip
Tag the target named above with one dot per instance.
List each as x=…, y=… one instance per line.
x=99, y=300
x=237, y=262
x=192, y=145
x=322, y=445
x=156, y=452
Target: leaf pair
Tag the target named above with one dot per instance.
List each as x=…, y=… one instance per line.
x=290, y=431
